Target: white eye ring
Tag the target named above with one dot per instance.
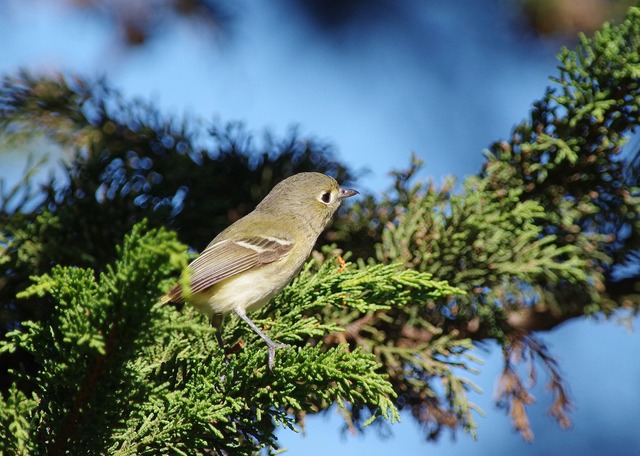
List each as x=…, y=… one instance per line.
x=326, y=197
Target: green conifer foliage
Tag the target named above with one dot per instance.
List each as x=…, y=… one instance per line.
x=122, y=374
x=548, y=231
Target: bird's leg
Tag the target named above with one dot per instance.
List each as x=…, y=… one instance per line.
x=271, y=345
x=219, y=339
x=216, y=321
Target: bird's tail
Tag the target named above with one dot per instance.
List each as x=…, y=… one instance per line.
x=174, y=295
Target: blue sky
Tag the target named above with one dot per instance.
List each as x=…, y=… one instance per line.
x=441, y=79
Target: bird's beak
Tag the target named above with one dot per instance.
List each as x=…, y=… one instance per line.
x=347, y=192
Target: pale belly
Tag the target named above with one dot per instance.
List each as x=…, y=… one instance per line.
x=248, y=291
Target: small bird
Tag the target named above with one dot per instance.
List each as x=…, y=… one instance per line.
x=253, y=259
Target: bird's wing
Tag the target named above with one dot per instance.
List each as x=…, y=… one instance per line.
x=226, y=258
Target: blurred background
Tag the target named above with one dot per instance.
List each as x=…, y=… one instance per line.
x=378, y=80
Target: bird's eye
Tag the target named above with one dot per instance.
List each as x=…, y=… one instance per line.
x=326, y=197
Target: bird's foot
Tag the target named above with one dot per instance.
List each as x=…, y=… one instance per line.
x=272, y=353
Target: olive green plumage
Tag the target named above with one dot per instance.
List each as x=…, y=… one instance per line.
x=253, y=259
